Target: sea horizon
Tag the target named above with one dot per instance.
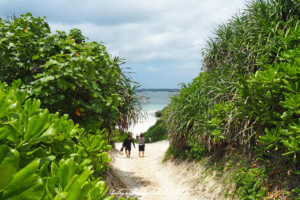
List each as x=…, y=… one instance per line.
x=157, y=101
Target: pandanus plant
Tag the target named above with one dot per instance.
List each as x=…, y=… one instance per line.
x=249, y=64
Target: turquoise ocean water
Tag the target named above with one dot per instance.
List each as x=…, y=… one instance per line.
x=156, y=101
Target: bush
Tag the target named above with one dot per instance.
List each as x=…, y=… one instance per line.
x=248, y=92
x=243, y=101
x=68, y=74
x=39, y=159
x=157, y=132
x=197, y=152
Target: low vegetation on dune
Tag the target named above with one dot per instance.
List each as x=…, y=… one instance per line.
x=246, y=98
x=157, y=132
x=60, y=101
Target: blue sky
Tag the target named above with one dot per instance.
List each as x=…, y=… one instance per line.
x=161, y=39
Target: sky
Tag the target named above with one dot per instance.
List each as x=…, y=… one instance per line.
x=160, y=39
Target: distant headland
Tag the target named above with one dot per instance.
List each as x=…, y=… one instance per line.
x=157, y=90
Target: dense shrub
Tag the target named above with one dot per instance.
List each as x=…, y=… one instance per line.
x=45, y=155
x=227, y=105
x=68, y=74
x=157, y=132
x=248, y=93
x=39, y=159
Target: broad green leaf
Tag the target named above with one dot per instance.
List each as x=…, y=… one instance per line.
x=36, y=125
x=84, y=191
x=3, y=133
x=109, y=198
x=14, y=135
x=63, y=177
x=4, y=149
x=75, y=191
x=71, y=182
x=12, y=157
x=54, y=168
x=101, y=186
x=51, y=183
x=95, y=142
x=62, y=84
x=61, y=196
x=39, y=152
x=31, y=189
x=107, y=147
x=51, y=131
x=48, y=197
x=44, y=171
x=84, y=176
x=23, y=180
x=95, y=193
x=90, y=71
x=71, y=166
x=35, y=57
x=32, y=106
x=7, y=173
x=51, y=62
x=5, y=60
x=3, y=107
x=2, y=95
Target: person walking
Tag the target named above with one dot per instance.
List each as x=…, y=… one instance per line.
x=137, y=138
x=141, y=145
x=149, y=139
x=127, y=144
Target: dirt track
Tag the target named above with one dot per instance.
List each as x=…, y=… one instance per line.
x=146, y=177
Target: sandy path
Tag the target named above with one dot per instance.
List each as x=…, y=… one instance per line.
x=146, y=177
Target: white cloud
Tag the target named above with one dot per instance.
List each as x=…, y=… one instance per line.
x=152, y=69
x=147, y=33
x=189, y=65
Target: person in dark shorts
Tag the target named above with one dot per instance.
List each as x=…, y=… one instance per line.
x=141, y=145
x=127, y=144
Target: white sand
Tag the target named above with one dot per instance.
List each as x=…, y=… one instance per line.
x=144, y=126
x=141, y=128
x=148, y=179
x=145, y=175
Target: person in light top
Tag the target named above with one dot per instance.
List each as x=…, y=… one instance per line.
x=141, y=145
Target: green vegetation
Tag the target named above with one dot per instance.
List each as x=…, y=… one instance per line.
x=158, y=90
x=45, y=155
x=39, y=159
x=157, y=132
x=247, y=97
x=68, y=74
x=239, y=169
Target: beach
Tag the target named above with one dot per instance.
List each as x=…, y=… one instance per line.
x=157, y=101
